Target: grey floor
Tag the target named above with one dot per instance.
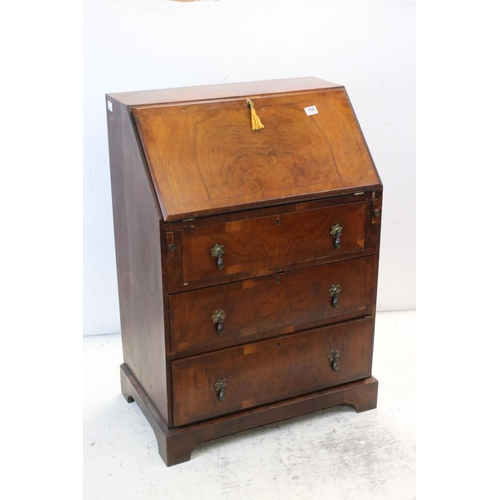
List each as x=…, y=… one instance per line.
x=335, y=453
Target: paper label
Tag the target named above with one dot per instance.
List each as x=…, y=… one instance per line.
x=311, y=110
x=110, y=106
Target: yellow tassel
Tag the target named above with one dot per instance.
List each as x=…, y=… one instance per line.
x=256, y=123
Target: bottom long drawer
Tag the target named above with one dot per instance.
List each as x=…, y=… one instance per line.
x=242, y=377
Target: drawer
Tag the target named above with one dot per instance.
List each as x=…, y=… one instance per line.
x=275, y=240
x=228, y=314
x=243, y=377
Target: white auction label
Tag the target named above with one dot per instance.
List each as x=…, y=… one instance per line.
x=110, y=106
x=311, y=110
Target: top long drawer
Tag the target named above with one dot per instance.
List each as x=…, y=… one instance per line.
x=252, y=244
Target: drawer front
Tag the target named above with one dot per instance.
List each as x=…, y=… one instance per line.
x=281, y=303
x=243, y=377
x=263, y=242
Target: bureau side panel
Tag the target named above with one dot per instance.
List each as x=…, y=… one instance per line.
x=138, y=256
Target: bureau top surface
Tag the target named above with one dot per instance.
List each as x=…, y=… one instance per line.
x=204, y=157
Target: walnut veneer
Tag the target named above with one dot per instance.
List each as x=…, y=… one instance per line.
x=247, y=260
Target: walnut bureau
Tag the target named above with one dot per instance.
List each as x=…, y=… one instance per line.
x=247, y=226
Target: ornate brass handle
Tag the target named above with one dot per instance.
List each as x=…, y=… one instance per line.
x=217, y=252
x=334, y=294
x=220, y=387
x=336, y=231
x=218, y=317
x=334, y=357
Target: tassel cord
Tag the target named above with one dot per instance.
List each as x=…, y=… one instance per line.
x=256, y=123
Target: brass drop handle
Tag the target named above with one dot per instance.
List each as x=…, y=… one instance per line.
x=334, y=357
x=217, y=251
x=218, y=317
x=220, y=388
x=334, y=294
x=336, y=231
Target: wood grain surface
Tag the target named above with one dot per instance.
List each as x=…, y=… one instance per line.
x=139, y=238
x=205, y=158
x=274, y=240
x=270, y=370
x=221, y=91
x=271, y=305
x=187, y=173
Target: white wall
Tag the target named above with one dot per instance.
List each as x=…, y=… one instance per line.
x=367, y=45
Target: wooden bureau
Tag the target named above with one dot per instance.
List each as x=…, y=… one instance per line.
x=247, y=259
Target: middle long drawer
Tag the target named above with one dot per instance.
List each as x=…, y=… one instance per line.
x=233, y=313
